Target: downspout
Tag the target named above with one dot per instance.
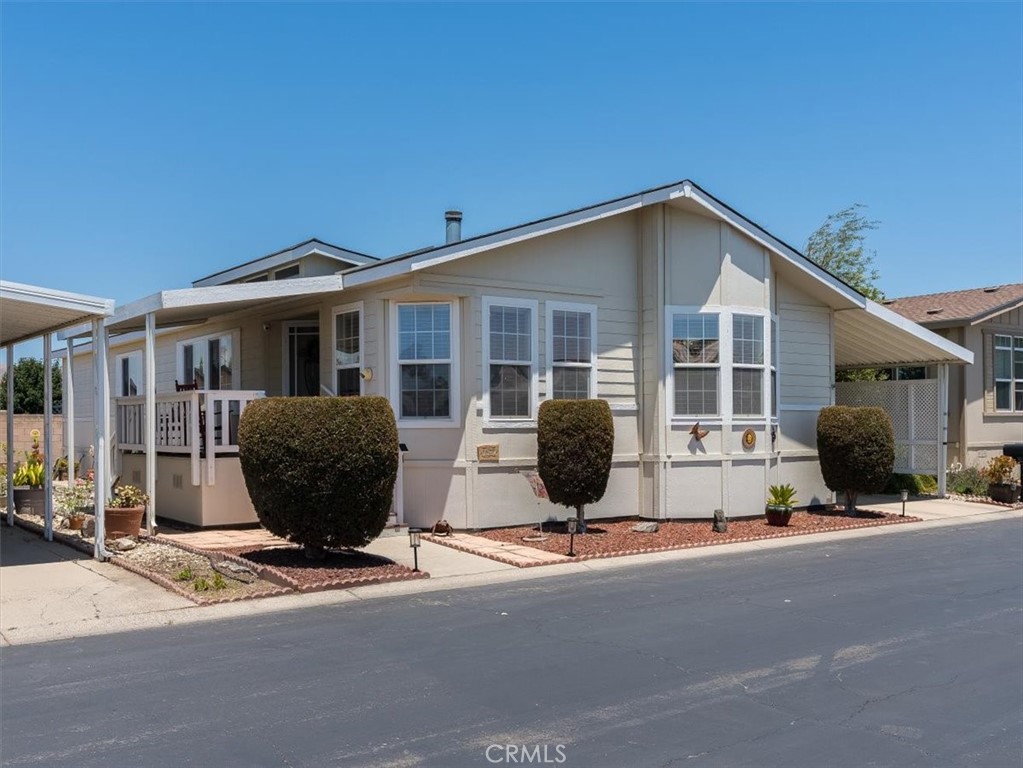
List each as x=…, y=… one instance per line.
x=68, y=383
x=943, y=440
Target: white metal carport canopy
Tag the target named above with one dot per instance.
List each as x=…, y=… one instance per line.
x=28, y=312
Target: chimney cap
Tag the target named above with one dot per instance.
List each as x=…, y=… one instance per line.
x=453, y=215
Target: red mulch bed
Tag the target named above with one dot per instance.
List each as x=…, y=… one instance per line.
x=337, y=570
x=610, y=538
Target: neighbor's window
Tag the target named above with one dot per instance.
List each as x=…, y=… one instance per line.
x=129, y=374
x=1008, y=373
x=572, y=351
x=510, y=331
x=208, y=362
x=348, y=351
x=696, y=359
x=747, y=365
x=425, y=360
x=287, y=272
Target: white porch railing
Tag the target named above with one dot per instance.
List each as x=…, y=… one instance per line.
x=180, y=417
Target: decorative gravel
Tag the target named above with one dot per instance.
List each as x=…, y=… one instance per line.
x=337, y=570
x=610, y=538
x=165, y=565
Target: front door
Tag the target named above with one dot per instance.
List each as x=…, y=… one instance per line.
x=301, y=358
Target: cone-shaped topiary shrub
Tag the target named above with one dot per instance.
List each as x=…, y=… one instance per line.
x=856, y=447
x=320, y=470
x=574, y=444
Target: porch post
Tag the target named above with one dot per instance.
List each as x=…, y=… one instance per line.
x=68, y=383
x=149, y=376
x=48, y=436
x=102, y=426
x=943, y=431
x=10, y=434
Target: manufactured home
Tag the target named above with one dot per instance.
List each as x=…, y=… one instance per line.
x=714, y=342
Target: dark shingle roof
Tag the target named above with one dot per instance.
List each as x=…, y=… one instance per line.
x=967, y=305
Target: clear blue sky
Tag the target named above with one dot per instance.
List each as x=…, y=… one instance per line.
x=144, y=146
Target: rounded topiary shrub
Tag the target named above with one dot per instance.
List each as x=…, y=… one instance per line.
x=574, y=445
x=320, y=470
x=856, y=447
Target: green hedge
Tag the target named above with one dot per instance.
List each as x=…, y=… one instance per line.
x=856, y=447
x=574, y=445
x=320, y=470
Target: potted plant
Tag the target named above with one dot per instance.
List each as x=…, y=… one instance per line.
x=122, y=515
x=1001, y=486
x=74, y=500
x=780, y=500
x=29, y=495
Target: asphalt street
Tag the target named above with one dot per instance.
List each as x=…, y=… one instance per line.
x=898, y=650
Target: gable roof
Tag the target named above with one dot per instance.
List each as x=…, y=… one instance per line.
x=966, y=307
x=343, y=256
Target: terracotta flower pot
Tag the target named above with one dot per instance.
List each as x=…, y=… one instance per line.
x=75, y=523
x=777, y=514
x=30, y=501
x=122, y=521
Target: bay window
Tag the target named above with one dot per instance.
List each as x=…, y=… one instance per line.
x=747, y=365
x=426, y=342
x=510, y=358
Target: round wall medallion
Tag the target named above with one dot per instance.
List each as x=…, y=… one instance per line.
x=749, y=439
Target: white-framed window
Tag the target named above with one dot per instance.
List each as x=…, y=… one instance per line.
x=510, y=359
x=130, y=374
x=1008, y=372
x=748, y=365
x=425, y=388
x=695, y=350
x=722, y=363
x=209, y=362
x=347, y=346
x=571, y=351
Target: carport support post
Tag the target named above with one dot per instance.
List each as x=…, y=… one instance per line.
x=48, y=435
x=102, y=421
x=10, y=434
x=149, y=376
x=943, y=431
x=67, y=381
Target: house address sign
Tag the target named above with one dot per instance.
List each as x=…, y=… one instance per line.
x=490, y=452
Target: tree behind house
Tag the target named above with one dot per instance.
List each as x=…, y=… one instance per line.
x=839, y=246
x=28, y=387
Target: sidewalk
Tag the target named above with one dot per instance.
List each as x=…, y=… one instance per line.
x=49, y=591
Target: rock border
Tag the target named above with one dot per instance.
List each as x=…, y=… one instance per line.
x=277, y=576
x=447, y=542
x=985, y=500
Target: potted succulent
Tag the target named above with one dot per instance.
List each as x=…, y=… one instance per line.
x=122, y=515
x=1001, y=486
x=28, y=478
x=780, y=500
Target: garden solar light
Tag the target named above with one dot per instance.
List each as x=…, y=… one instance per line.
x=573, y=524
x=905, y=495
x=413, y=541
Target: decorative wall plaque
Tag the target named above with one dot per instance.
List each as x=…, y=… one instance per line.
x=491, y=452
x=749, y=439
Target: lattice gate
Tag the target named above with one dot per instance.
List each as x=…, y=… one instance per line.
x=914, y=408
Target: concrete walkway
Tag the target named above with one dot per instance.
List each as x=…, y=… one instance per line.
x=49, y=591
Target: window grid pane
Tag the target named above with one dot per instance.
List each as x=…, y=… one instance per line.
x=747, y=392
x=424, y=332
x=348, y=382
x=571, y=337
x=696, y=391
x=747, y=340
x=509, y=391
x=346, y=331
x=571, y=383
x=425, y=390
x=695, y=339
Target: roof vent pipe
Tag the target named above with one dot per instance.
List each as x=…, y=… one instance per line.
x=453, y=230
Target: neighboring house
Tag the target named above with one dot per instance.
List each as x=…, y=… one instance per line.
x=986, y=399
x=668, y=304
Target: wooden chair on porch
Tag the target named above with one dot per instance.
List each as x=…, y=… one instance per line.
x=193, y=387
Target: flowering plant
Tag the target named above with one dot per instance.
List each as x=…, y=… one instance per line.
x=31, y=472
x=74, y=499
x=128, y=496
